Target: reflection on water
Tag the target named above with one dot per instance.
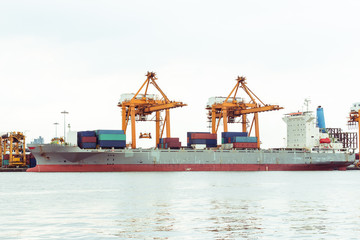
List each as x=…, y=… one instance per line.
x=189, y=205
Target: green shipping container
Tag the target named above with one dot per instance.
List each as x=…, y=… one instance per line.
x=111, y=137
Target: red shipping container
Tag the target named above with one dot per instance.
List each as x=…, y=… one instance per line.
x=204, y=136
x=174, y=145
x=244, y=145
x=88, y=139
x=170, y=140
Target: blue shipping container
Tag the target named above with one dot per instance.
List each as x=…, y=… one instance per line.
x=244, y=139
x=109, y=132
x=87, y=145
x=204, y=141
x=86, y=134
x=112, y=143
x=233, y=134
x=5, y=162
x=197, y=141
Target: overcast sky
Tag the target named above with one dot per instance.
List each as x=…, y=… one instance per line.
x=80, y=56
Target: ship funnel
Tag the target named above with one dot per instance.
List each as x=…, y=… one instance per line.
x=320, y=119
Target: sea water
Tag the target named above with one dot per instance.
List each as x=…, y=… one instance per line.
x=180, y=205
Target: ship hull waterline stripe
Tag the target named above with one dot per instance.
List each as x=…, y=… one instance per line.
x=187, y=167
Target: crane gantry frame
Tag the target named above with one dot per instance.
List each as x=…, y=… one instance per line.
x=355, y=119
x=142, y=105
x=13, y=144
x=230, y=109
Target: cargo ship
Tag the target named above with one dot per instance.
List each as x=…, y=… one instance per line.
x=309, y=148
x=309, y=144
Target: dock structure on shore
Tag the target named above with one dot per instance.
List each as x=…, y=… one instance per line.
x=13, y=169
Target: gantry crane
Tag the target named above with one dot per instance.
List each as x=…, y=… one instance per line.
x=13, y=144
x=233, y=107
x=354, y=119
x=142, y=105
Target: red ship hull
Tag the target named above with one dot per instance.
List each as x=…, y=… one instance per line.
x=187, y=167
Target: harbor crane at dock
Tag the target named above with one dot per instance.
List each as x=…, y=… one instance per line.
x=232, y=107
x=12, y=145
x=136, y=107
x=354, y=119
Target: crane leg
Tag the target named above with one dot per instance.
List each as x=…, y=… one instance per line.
x=133, y=132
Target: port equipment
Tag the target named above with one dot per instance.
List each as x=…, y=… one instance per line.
x=139, y=106
x=13, y=145
x=145, y=135
x=354, y=120
x=231, y=107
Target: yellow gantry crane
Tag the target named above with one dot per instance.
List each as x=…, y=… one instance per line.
x=233, y=107
x=13, y=145
x=141, y=105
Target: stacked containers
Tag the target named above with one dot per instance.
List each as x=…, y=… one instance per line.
x=5, y=161
x=202, y=138
x=86, y=139
x=172, y=143
x=226, y=137
x=111, y=138
x=239, y=140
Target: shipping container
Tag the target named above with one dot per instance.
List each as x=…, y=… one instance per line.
x=88, y=139
x=86, y=134
x=172, y=143
x=243, y=145
x=5, y=162
x=198, y=141
x=112, y=137
x=98, y=132
x=87, y=145
x=207, y=142
x=112, y=144
x=170, y=140
x=198, y=146
x=244, y=139
x=210, y=143
x=233, y=134
x=189, y=133
x=203, y=136
x=227, y=146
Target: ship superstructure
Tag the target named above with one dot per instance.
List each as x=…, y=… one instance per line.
x=305, y=130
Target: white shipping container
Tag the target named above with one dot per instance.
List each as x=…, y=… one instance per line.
x=227, y=146
x=198, y=146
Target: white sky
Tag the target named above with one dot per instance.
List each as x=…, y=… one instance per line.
x=80, y=56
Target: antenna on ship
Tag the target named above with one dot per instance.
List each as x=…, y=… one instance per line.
x=64, y=112
x=307, y=102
